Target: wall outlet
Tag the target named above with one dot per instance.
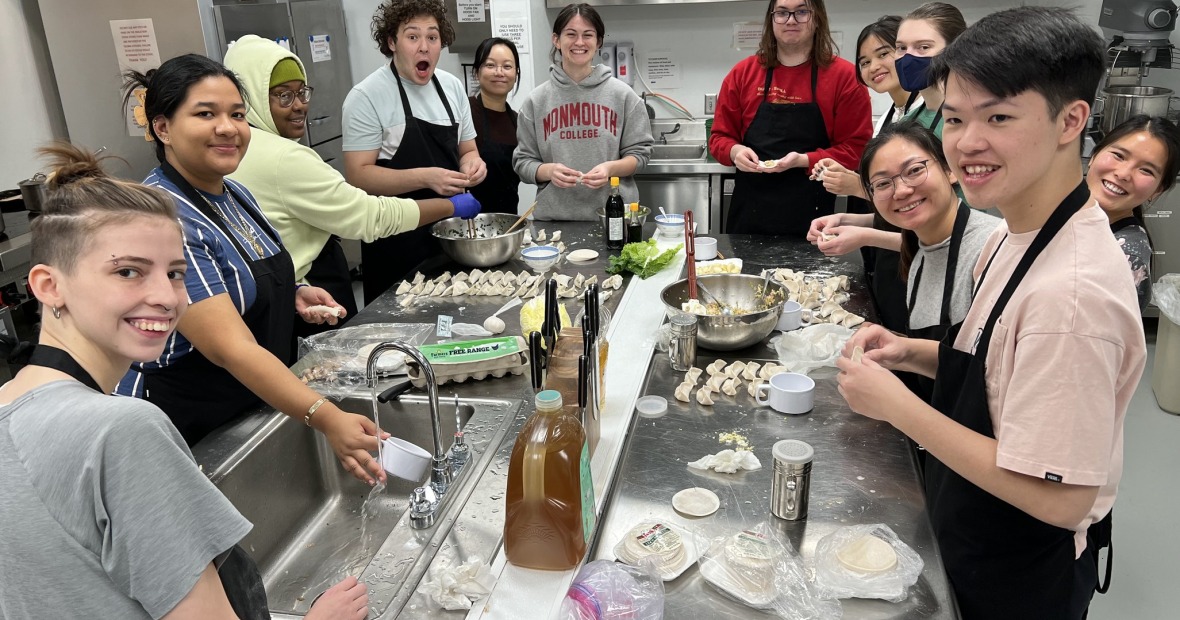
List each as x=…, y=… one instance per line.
x=710, y=103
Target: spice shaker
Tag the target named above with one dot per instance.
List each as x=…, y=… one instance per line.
x=682, y=347
x=792, y=479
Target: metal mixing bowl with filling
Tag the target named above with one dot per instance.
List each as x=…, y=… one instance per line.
x=488, y=248
x=753, y=317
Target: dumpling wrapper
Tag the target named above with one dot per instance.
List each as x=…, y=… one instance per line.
x=683, y=391
x=730, y=387
x=693, y=374
x=705, y=397
x=750, y=372
x=867, y=554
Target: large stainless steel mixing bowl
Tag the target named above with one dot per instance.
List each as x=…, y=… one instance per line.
x=491, y=247
x=728, y=333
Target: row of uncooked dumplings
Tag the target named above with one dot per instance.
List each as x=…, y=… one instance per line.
x=478, y=282
x=725, y=379
x=824, y=296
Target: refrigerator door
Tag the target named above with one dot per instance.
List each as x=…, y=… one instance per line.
x=322, y=45
x=269, y=21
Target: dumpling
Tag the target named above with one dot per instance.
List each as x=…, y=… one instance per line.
x=752, y=386
x=770, y=370
x=495, y=277
x=837, y=283
x=403, y=288
x=579, y=280
x=735, y=369
x=541, y=236
x=509, y=279
x=591, y=280
x=715, y=382
x=522, y=290
x=443, y=278
x=684, y=391
x=417, y=288
x=730, y=386
x=556, y=236
x=613, y=282
x=418, y=278
x=460, y=288
x=717, y=366
x=852, y=320
x=562, y=279
x=705, y=397
x=827, y=309
x=560, y=247
x=447, y=291
x=693, y=374
x=809, y=300
x=750, y=372
x=566, y=292
x=462, y=276
x=476, y=274
x=405, y=303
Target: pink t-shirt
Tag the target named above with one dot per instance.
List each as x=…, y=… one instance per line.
x=1065, y=356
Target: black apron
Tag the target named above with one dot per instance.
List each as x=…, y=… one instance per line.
x=782, y=203
x=240, y=577
x=499, y=191
x=933, y=127
x=424, y=145
x=1002, y=562
x=199, y=395
x=329, y=271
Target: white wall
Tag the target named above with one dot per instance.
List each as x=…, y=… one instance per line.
x=29, y=108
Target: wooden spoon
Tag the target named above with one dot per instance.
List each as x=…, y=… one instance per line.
x=522, y=218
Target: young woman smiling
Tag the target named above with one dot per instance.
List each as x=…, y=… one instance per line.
x=922, y=35
x=497, y=68
x=1134, y=165
x=232, y=347
x=573, y=159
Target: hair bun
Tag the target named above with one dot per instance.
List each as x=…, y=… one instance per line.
x=70, y=164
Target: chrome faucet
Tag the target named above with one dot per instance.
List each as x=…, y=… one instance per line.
x=664, y=134
x=424, y=501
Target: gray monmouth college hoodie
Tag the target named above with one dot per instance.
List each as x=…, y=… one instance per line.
x=580, y=124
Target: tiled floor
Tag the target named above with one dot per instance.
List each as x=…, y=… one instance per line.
x=1147, y=545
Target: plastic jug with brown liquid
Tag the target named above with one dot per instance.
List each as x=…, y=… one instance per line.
x=550, y=499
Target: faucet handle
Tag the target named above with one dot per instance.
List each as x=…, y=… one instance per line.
x=423, y=506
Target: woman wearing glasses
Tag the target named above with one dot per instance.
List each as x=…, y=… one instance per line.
x=782, y=110
x=907, y=177
x=497, y=69
x=307, y=201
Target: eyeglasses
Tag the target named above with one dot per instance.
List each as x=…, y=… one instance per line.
x=912, y=176
x=506, y=68
x=287, y=97
x=802, y=16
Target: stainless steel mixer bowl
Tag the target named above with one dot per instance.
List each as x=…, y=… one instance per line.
x=494, y=249
x=728, y=333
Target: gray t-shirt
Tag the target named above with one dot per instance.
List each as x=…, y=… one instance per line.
x=1135, y=244
x=104, y=512
x=932, y=261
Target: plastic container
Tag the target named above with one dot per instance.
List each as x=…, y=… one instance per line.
x=549, y=513
x=605, y=590
x=1165, y=294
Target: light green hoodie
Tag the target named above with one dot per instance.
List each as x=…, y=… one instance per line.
x=305, y=199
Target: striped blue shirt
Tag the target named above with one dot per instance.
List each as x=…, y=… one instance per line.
x=215, y=265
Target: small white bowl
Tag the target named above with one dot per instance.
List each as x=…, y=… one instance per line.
x=404, y=459
x=540, y=258
x=670, y=225
x=706, y=248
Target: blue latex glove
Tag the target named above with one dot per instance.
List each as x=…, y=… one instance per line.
x=466, y=206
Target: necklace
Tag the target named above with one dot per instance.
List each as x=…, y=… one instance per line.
x=239, y=223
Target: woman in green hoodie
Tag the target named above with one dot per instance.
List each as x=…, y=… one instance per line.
x=305, y=199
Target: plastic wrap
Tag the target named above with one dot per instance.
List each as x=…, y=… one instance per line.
x=1165, y=294
x=672, y=548
x=605, y=590
x=835, y=577
x=758, y=568
x=332, y=364
x=816, y=346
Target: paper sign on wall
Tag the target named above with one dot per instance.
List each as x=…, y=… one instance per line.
x=747, y=35
x=514, y=26
x=136, y=49
x=469, y=79
x=321, y=47
x=470, y=10
x=660, y=69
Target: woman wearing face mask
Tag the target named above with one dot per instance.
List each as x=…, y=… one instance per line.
x=912, y=187
x=922, y=35
x=306, y=200
x=232, y=348
x=1134, y=165
x=497, y=69
x=572, y=156
x=99, y=495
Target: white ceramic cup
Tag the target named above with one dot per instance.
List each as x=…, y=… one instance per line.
x=788, y=392
x=793, y=317
x=705, y=247
x=403, y=459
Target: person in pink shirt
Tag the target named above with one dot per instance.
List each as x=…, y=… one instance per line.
x=1024, y=432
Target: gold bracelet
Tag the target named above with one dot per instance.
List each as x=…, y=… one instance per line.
x=311, y=410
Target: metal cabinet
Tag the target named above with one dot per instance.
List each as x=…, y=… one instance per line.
x=677, y=194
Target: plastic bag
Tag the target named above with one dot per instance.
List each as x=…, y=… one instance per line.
x=835, y=579
x=1165, y=294
x=671, y=548
x=758, y=568
x=606, y=590
x=815, y=346
x=331, y=362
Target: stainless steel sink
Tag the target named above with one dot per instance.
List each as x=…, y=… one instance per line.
x=311, y=526
x=678, y=151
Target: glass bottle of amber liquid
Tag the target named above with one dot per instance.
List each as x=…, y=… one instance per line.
x=550, y=500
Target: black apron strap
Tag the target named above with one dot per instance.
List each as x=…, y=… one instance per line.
x=766, y=84
x=952, y=265
x=441, y=95
x=52, y=357
x=200, y=204
x=1124, y=223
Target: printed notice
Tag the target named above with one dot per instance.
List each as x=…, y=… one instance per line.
x=660, y=69
x=514, y=26
x=321, y=47
x=136, y=49
x=747, y=35
x=471, y=10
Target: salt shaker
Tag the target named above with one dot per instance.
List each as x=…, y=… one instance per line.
x=792, y=479
x=682, y=347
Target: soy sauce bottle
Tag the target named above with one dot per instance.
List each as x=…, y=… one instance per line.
x=615, y=232
x=634, y=227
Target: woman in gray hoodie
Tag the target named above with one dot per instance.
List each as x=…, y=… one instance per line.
x=580, y=128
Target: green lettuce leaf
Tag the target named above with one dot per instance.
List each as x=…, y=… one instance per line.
x=642, y=258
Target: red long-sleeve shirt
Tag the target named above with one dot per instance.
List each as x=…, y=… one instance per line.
x=844, y=103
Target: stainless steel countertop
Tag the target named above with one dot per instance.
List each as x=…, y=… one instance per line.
x=685, y=166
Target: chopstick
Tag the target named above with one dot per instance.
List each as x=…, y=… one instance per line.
x=690, y=253
x=522, y=218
